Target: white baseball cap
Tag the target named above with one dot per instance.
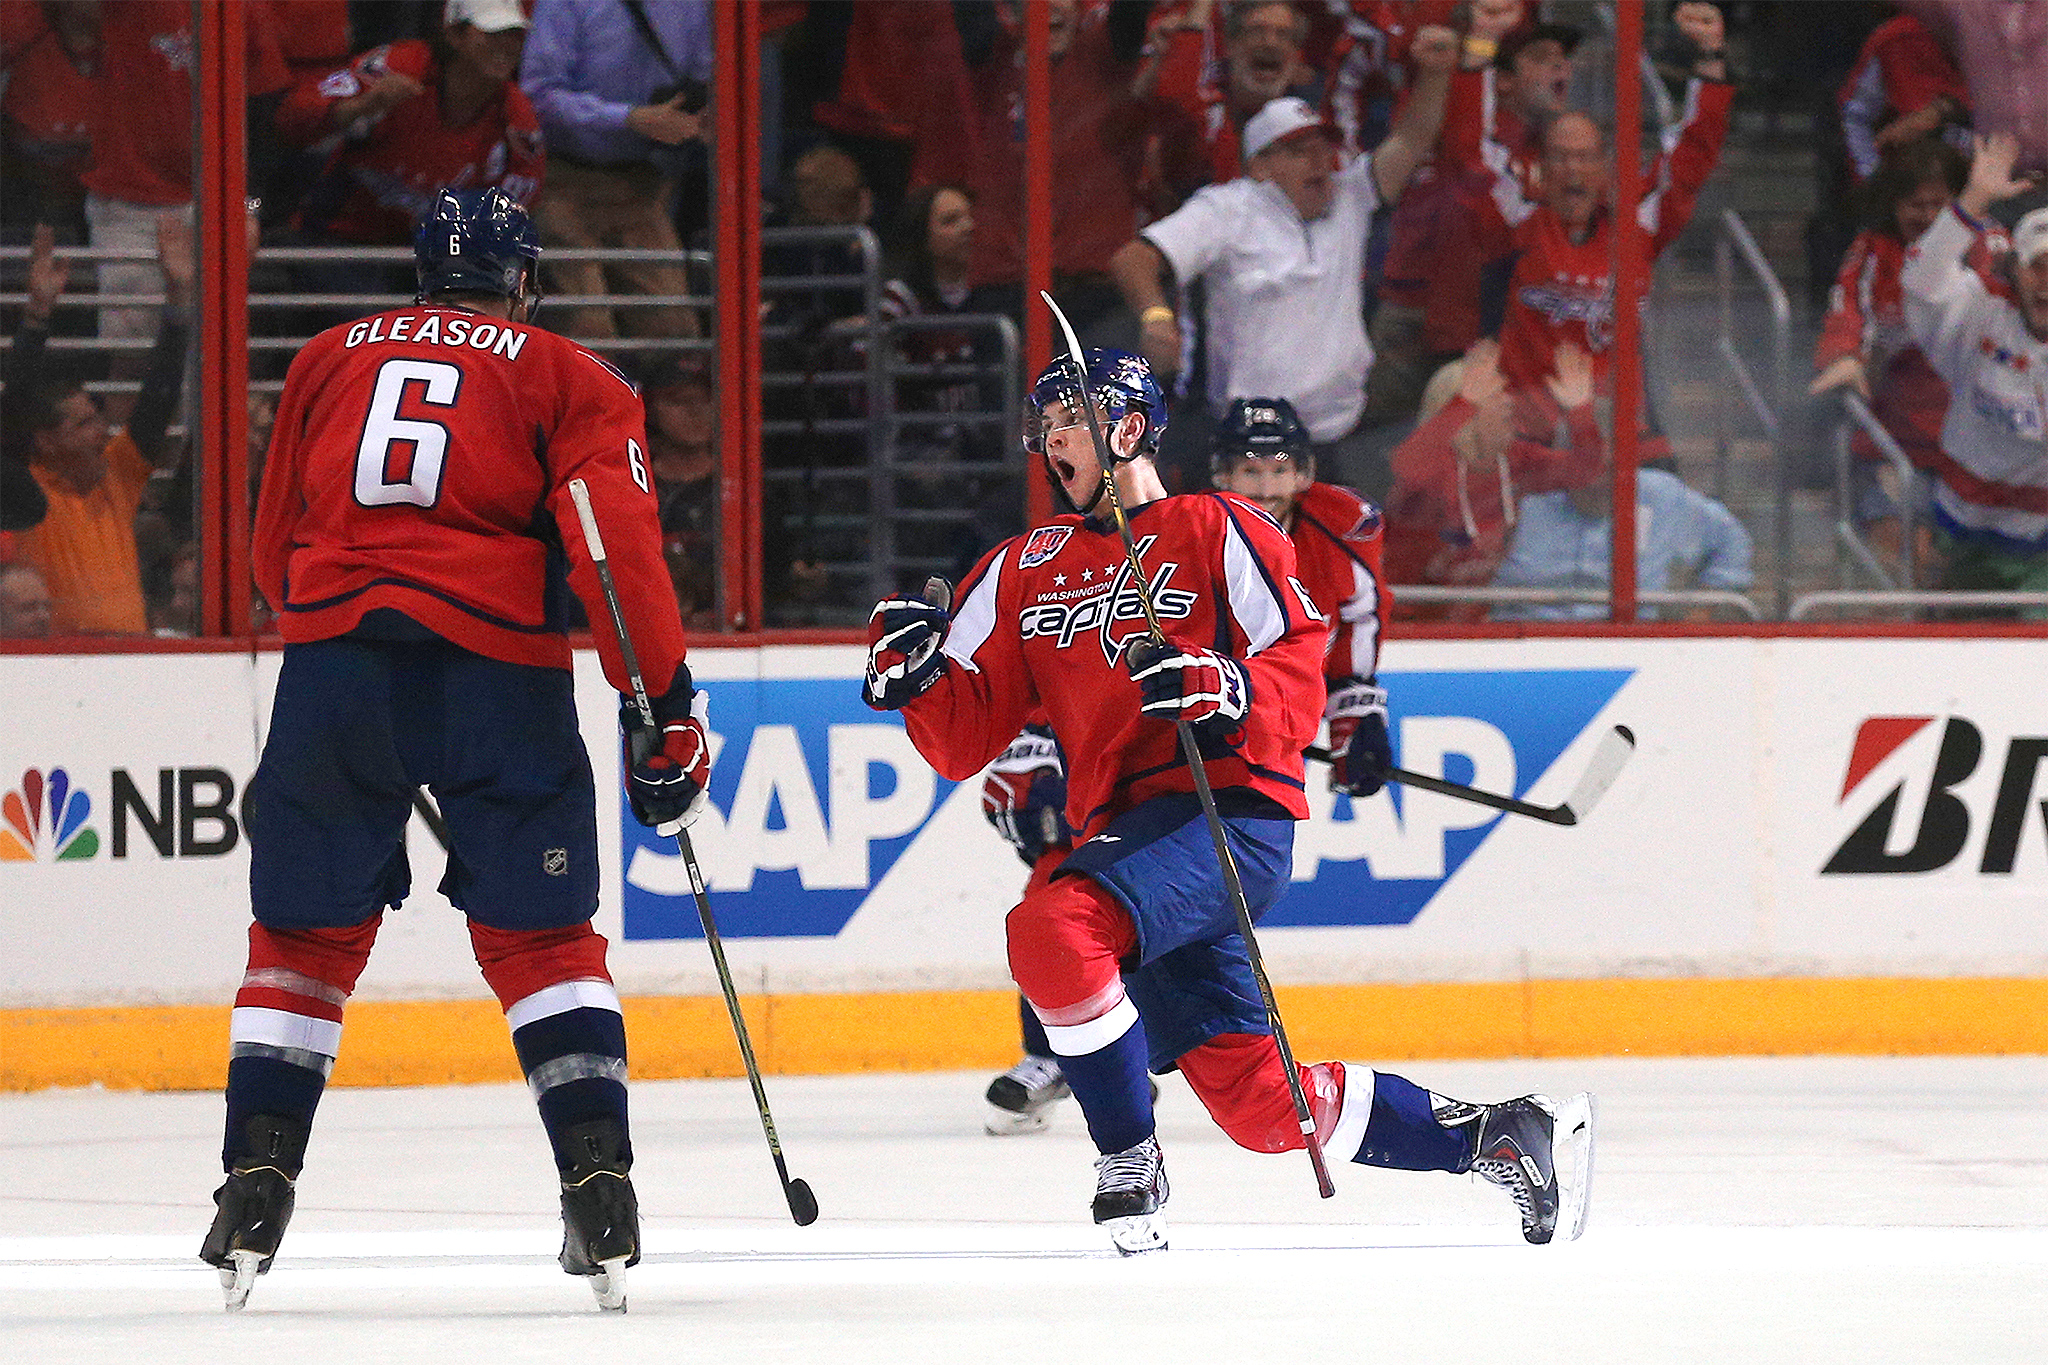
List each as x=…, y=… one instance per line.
x=2030, y=237
x=1281, y=118
x=486, y=16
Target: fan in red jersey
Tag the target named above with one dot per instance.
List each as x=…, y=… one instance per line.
x=416, y=536
x=1137, y=923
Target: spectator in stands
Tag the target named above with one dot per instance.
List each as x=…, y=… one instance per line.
x=620, y=87
x=51, y=57
x=1483, y=445
x=1441, y=288
x=1102, y=137
x=1221, y=85
x=24, y=603
x=172, y=594
x=1904, y=87
x=682, y=453
x=1562, y=288
x=932, y=260
x=1281, y=251
x=92, y=475
x=1991, y=488
x=901, y=131
x=403, y=120
x=142, y=148
x=2002, y=50
x=1865, y=346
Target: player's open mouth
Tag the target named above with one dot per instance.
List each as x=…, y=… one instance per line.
x=1064, y=469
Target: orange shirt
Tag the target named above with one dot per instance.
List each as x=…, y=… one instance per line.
x=86, y=548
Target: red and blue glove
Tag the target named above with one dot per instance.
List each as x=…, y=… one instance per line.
x=1024, y=794
x=904, y=635
x=1361, y=753
x=1181, y=682
x=668, y=771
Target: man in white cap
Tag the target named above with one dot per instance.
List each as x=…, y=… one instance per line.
x=1281, y=250
x=1991, y=488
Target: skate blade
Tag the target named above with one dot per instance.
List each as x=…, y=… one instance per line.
x=1137, y=1234
x=609, y=1284
x=1571, y=1155
x=1001, y=1122
x=238, y=1279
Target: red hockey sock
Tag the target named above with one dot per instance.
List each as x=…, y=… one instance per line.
x=1239, y=1079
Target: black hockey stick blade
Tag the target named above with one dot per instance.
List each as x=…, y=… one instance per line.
x=1615, y=748
x=803, y=1205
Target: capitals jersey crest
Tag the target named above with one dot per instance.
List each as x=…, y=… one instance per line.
x=1041, y=545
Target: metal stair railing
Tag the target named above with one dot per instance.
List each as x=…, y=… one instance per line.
x=1847, y=536
x=1764, y=395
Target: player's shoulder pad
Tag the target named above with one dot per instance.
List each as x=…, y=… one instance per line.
x=614, y=371
x=1234, y=503
x=1347, y=514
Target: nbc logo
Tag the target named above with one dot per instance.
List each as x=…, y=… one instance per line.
x=45, y=818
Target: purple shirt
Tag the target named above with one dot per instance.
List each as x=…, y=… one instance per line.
x=586, y=66
x=2002, y=48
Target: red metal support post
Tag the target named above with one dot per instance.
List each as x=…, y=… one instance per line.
x=1631, y=280
x=1037, y=221
x=736, y=117
x=220, y=450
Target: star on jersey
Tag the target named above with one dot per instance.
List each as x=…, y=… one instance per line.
x=1059, y=580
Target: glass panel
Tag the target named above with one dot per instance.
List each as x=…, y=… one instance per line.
x=101, y=490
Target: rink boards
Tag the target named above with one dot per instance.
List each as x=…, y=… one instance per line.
x=1819, y=845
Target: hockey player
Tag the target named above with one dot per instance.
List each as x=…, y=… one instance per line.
x=1261, y=452
x=1137, y=920
x=413, y=533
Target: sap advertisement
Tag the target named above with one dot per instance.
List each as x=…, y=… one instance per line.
x=1792, y=807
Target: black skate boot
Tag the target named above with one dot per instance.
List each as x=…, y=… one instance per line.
x=255, y=1205
x=600, y=1214
x=1021, y=1099
x=1541, y=1153
x=1130, y=1192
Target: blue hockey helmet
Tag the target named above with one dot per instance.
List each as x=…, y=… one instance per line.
x=1118, y=381
x=1262, y=428
x=478, y=242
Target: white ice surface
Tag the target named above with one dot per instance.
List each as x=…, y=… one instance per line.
x=1751, y=1210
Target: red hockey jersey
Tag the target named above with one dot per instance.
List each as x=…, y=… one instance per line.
x=421, y=460
x=1044, y=618
x=1337, y=545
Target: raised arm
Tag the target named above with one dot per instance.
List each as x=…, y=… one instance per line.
x=1434, y=54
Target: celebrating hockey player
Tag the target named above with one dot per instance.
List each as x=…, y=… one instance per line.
x=1137, y=922
x=413, y=533
x=1261, y=452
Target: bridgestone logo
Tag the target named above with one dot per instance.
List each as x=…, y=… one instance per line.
x=1945, y=821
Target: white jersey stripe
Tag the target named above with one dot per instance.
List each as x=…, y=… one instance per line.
x=975, y=619
x=1254, y=604
x=1362, y=613
x=560, y=998
x=1346, y=1137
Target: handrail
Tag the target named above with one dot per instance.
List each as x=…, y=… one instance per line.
x=1887, y=446
x=1649, y=597
x=1733, y=240
x=1951, y=598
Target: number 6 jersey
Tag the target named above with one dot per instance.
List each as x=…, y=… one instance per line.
x=421, y=462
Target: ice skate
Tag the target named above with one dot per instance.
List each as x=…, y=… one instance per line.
x=1541, y=1153
x=1130, y=1196
x=254, y=1206
x=1021, y=1099
x=600, y=1214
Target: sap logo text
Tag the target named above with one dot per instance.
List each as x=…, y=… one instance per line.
x=1921, y=824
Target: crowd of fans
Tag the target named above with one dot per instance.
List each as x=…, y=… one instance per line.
x=1396, y=213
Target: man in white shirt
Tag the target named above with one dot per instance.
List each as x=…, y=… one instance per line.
x=1281, y=252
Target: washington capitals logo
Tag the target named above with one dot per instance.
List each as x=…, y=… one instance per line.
x=45, y=819
x=1124, y=620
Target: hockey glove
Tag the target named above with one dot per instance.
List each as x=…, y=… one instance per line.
x=1360, y=752
x=1025, y=795
x=904, y=635
x=1180, y=682
x=668, y=772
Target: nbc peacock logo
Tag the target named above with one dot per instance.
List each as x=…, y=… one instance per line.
x=44, y=819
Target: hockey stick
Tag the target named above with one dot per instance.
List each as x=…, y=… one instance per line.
x=1192, y=750
x=1615, y=748
x=803, y=1205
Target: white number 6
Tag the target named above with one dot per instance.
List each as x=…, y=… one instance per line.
x=384, y=429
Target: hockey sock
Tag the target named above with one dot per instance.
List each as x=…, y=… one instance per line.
x=285, y=1030
x=566, y=1024
x=1404, y=1133
x=1109, y=1079
x=1034, y=1032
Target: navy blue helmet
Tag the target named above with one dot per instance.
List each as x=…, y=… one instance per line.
x=1262, y=428
x=480, y=242
x=1119, y=382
